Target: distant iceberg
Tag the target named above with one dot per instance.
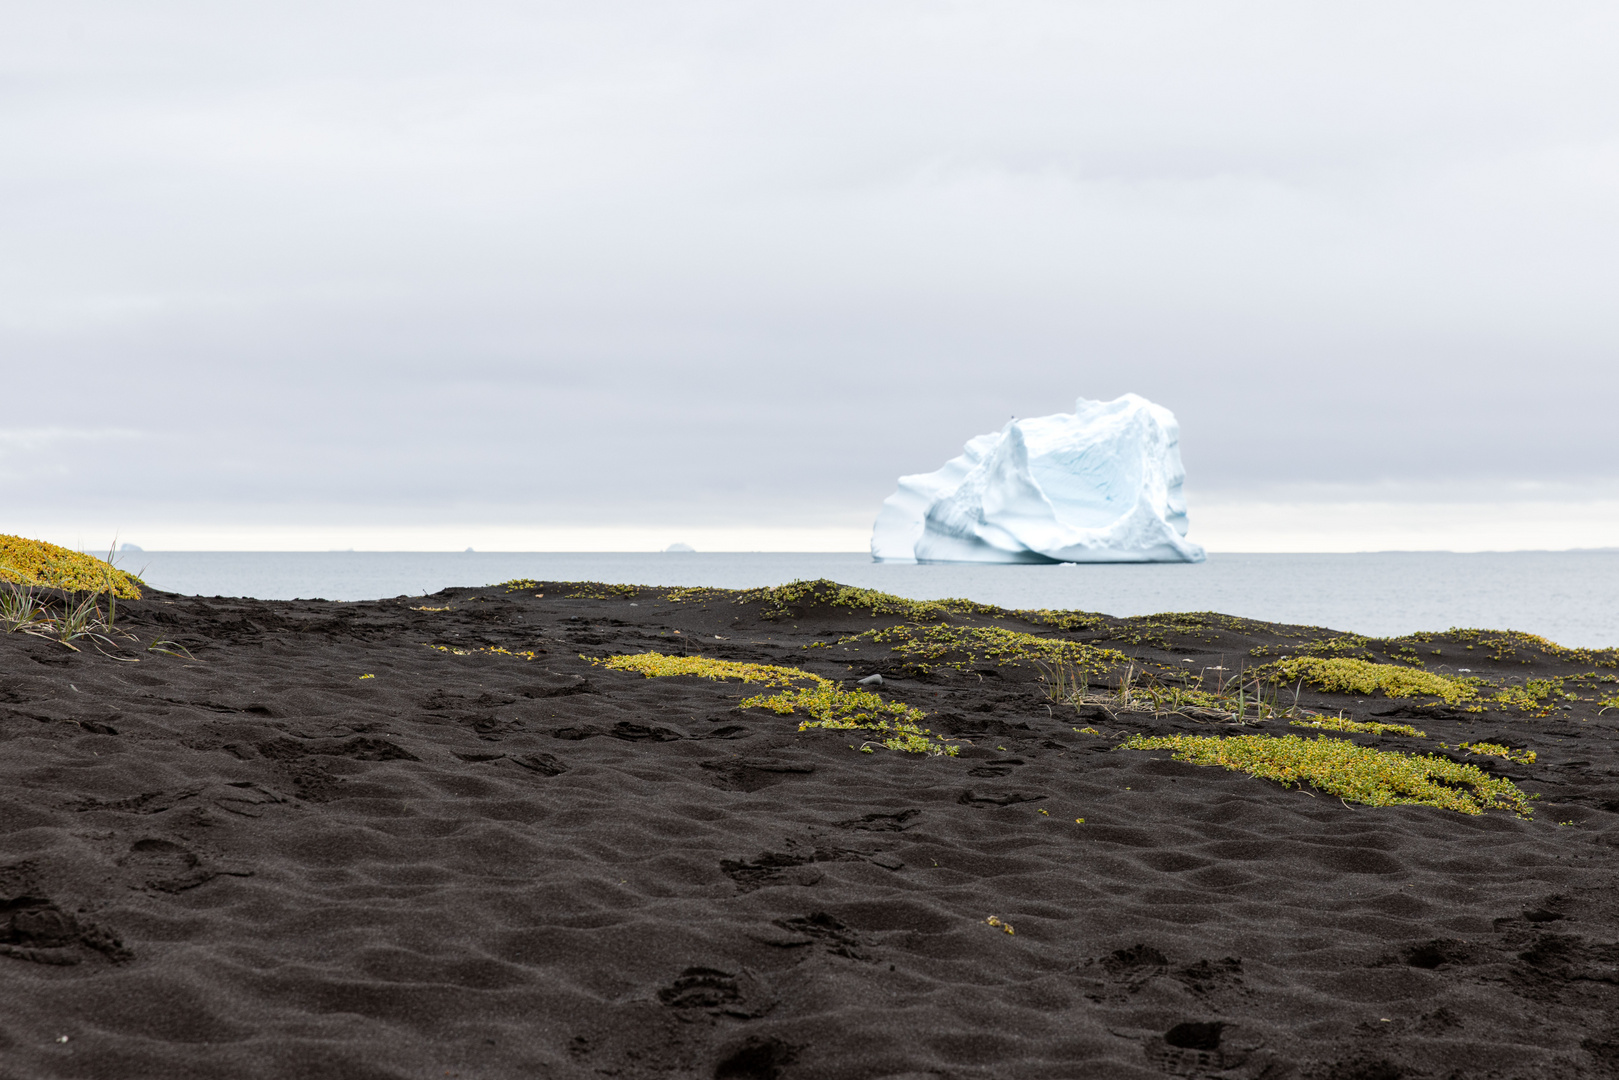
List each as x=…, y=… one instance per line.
x=1099, y=484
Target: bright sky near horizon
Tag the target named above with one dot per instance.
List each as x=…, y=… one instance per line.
x=561, y=275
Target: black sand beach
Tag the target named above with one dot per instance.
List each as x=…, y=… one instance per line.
x=429, y=837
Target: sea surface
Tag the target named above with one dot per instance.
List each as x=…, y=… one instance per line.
x=1571, y=597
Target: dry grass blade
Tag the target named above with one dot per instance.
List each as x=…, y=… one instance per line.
x=1239, y=699
x=1065, y=683
x=172, y=648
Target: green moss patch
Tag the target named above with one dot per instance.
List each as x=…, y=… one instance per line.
x=34, y=562
x=1345, y=676
x=779, y=601
x=960, y=647
x=1490, y=749
x=1359, y=727
x=1357, y=773
x=826, y=704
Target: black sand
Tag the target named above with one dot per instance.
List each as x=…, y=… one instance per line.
x=262, y=865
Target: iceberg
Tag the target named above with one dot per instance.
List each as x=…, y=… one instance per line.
x=1099, y=484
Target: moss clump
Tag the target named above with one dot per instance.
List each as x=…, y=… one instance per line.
x=1362, y=727
x=601, y=590
x=962, y=646
x=1347, y=676
x=1338, y=767
x=1532, y=697
x=828, y=705
x=655, y=665
x=1338, y=645
x=780, y=600
x=1490, y=749
x=692, y=594
x=1062, y=620
x=34, y=562
x=1154, y=631
x=1504, y=645
x=492, y=650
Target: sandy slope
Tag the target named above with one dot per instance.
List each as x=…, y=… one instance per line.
x=263, y=865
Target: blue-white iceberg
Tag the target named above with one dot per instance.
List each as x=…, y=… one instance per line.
x=1099, y=484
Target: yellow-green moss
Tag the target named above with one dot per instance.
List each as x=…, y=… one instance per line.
x=1061, y=619
x=1504, y=645
x=828, y=705
x=1345, y=676
x=34, y=562
x=780, y=600
x=1535, y=697
x=1363, y=727
x=492, y=650
x=582, y=590
x=1490, y=749
x=601, y=590
x=1153, y=630
x=1339, y=767
x=655, y=665
x=692, y=594
x=962, y=646
x=1352, y=646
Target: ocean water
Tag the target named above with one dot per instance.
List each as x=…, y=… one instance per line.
x=1571, y=597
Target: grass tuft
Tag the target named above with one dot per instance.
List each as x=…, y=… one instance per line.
x=22, y=609
x=1240, y=699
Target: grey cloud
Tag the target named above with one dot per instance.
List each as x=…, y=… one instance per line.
x=606, y=259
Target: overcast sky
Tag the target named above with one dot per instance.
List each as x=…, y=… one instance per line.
x=608, y=263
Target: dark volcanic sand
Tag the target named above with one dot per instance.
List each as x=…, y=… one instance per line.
x=262, y=865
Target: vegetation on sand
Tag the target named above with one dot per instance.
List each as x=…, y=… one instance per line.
x=828, y=705
x=1490, y=749
x=36, y=563
x=492, y=650
x=1345, y=676
x=961, y=647
x=1351, y=772
x=1241, y=698
x=779, y=601
x=31, y=569
x=1359, y=727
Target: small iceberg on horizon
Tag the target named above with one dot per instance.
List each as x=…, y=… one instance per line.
x=1099, y=484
